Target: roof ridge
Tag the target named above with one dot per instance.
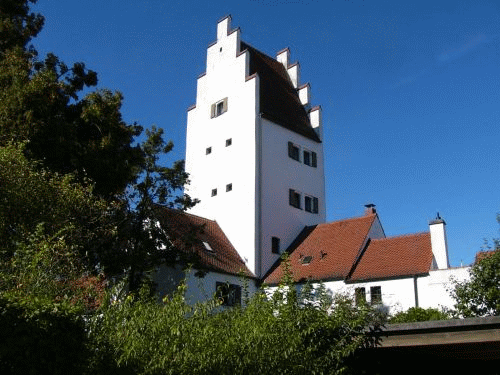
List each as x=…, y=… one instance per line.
x=349, y=219
x=402, y=236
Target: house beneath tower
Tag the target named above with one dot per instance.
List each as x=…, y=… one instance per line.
x=254, y=152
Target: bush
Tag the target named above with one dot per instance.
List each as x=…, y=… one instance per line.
x=418, y=314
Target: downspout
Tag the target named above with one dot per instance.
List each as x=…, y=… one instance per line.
x=415, y=289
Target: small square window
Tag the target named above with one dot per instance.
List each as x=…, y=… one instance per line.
x=294, y=198
x=275, y=245
x=229, y=142
x=293, y=151
x=229, y=187
x=214, y=192
x=208, y=150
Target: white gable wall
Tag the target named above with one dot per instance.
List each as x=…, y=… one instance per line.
x=235, y=210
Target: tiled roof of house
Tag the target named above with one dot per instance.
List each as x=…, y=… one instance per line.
x=279, y=100
x=326, y=251
x=204, y=239
x=395, y=257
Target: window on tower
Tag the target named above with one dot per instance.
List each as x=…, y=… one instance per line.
x=208, y=150
x=294, y=198
x=293, y=151
x=275, y=245
x=310, y=158
x=218, y=108
x=311, y=204
x=214, y=192
x=229, y=142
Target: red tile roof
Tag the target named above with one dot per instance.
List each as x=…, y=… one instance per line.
x=189, y=232
x=279, y=100
x=395, y=257
x=334, y=248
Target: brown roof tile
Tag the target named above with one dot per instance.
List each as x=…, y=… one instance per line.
x=279, y=100
x=189, y=232
x=333, y=248
x=395, y=257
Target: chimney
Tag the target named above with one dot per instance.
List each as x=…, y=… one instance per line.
x=370, y=209
x=437, y=229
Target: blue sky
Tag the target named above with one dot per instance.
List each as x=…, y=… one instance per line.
x=410, y=91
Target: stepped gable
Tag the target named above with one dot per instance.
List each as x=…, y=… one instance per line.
x=279, y=100
x=326, y=251
x=401, y=256
x=191, y=234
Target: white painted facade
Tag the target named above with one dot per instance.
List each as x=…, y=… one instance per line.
x=245, y=186
x=198, y=289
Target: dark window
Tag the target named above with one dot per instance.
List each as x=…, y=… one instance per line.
x=293, y=151
x=228, y=294
x=214, y=192
x=360, y=296
x=315, y=207
x=229, y=187
x=376, y=295
x=229, y=142
x=208, y=150
x=294, y=198
x=314, y=160
x=307, y=259
x=275, y=245
x=307, y=157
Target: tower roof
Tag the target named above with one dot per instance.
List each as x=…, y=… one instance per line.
x=279, y=100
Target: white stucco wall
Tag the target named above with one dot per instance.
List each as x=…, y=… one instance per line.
x=234, y=211
x=279, y=173
x=199, y=289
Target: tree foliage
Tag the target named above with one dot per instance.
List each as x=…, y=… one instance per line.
x=281, y=334
x=480, y=295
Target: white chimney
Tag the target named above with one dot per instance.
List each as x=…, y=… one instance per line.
x=437, y=229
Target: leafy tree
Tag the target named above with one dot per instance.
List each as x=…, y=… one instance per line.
x=480, y=295
x=280, y=334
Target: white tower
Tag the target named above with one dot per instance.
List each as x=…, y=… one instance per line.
x=254, y=149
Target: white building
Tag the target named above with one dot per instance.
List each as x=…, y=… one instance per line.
x=254, y=152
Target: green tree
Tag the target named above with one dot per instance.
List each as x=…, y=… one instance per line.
x=480, y=294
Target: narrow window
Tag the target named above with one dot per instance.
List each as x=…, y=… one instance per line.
x=228, y=294
x=314, y=160
x=208, y=150
x=376, y=295
x=308, y=203
x=307, y=157
x=294, y=198
x=275, y=245
x=293, y=151
x=229, y=187
x=315, y=206
x=229, y=142
x=360, y=296
x=214, y=192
